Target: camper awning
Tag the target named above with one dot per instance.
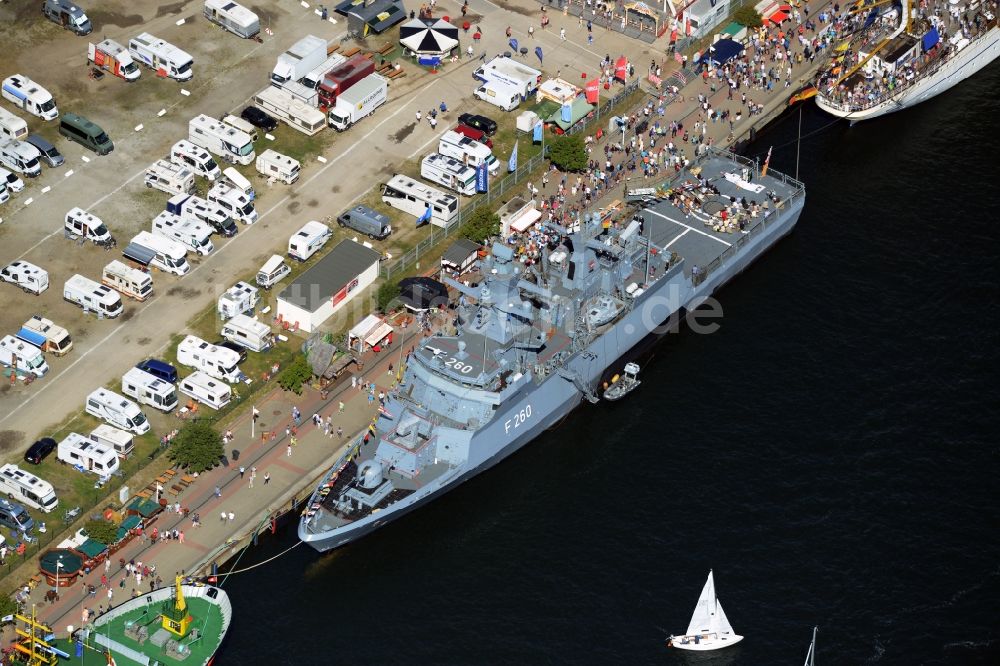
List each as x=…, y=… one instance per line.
x=525, y=220
x=139, y=254
x=372, y=330
x=362, y=327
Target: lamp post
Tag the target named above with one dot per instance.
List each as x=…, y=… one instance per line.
x=59, y=565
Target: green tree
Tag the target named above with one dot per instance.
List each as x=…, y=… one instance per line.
x=568, y=152
x=482, y=224
x=387, y=292
x=197, y=447
x=7, y=605
x=748, y=16
x=295, y=374
x=101, y=530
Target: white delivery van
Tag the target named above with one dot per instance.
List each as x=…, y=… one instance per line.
x=26, y=488
x=238, y=299
x=22, y=357
x=149, y=390
x=117, y=410
x=149, y=249
x=12, y=126
x=272, y=164
x=21, y=157
x=273, y=270
x=164, y=57
x=14, y=184
x=499, y=94
x=238, y=123
x=308, y=240
x=92, y=296
x=127, y=280
x=219, y=362
x=87, y=455
x=120, y=441
x=236, y=204
x=248, y=332
x=57, y=340
x=206, y=389
x=193, y=234
x=81, y=224
x=195, y=158
x=170, y=177
x=27, y=276
x=235, y=179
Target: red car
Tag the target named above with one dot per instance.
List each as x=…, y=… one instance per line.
x=474, y=134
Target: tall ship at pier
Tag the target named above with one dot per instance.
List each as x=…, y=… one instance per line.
x=543, y=331
x=902, y=56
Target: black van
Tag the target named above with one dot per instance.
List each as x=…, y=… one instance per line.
x=87, y=134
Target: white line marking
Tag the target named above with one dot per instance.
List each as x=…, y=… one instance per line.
x=68, y=174
x=46, y=189
x=84, y=158
x=138, y=128
x=320, y=158
x=269, y=137
x=161, y=113
x=697, y=231
x=677, y=238
x=27, y=202
x=180, y=22
x=185, y=92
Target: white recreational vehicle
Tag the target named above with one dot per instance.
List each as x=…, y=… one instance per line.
x=308, y=240
x=238, y=123
x=449, y=172
x=238, y=299
x=117, y=410
x=229, y=143
x=87, y=455
x=218, y=362
x=12, y=126
x=121, y=442
x=206, y=389
x=127, y=280
x=421, y=200
x=22, y=357
x=57, y=340
x=515, y=74
x=92, y=296
x=160, y=252
x=27, y=276
x=273, y=270
x=248, y=332
x=81, y=224
x=469, y=151
x=149, y=390
x=232, y=200
x=195, y=158
x=193, y=234
x=272, y=164
x=233, y=17
x=164, y=57
x=26, y=488
x=288, y=108
x=238, y=181
x=169, y=177
x=21, y=157
x=30, y=96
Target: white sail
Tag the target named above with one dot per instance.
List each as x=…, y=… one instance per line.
x=721, y=626
x=811, y=655
x=703, y=618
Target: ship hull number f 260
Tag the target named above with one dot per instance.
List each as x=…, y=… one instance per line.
x=518, y=419
x=455, y=364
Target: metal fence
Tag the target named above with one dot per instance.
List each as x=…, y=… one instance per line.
x=497, y=190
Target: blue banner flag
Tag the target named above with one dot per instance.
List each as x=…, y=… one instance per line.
x=512, y=162
x=567, y=113
x=513, y=45
x=537, y=133
x=538, y=52
x=482, y=178
x=426, y=217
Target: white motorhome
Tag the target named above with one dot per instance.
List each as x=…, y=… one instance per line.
x=149, y=390
x=449, y=172
x=206, y=389
x=4, y=194
x=273, y=270
x=286, y=107
x=81, y=224
x=248, y=332
x=188, y=206
x=236, y=204
x=27, y=276
x=218, y=362
x=149, y=249
x=238, y=123
x=92, y=296
x=195, y=158
x=120, y=441
x=308, y=240
x=26, y=488
x=87, y=455
x=237, y=180
x=233, y=17
x=169, y=177
x=117, y=410
x=499, y=94
x=12, y=126
x=21, y=157
x=469, y=151
x=30, y=96
x=229, y=143
x=57, y=340
x=127, y=280
x=421, y=200
x=238, y=299
x=22, y=357
x=193, y=234
x=272, y=164
x=515, y=74
x=162, y=56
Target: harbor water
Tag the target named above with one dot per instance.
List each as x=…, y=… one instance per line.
x=830, y=451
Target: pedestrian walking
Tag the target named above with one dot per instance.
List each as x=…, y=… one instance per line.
x=562, y=34
x=288, y=451
x=531, y=31
x=242, y=471
x=340, y=405
x=419, y=116
x=340, y=432
x=107, y=565
x=223, y=516
x=218, y=491
x=232, y=516
x=267, y=478
x=433, y=122
x=180, y=535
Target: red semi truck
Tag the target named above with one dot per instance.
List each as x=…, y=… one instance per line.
x=343, y=77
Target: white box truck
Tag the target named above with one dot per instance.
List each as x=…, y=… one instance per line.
x=272, y=164
x=151, y=250
x=87, y=455
x=358, y=101
x=308, y=240
x=117, y=410
x=126, y=280
x=215, y=136
x=195, y=235
x=233, y=17
x=22, y=356
x=219, y=362
x=149, y=390
x=93, y=297
x=29, y=277
x=304, y=56
x=30, y=96
x=248, y=332
x=161, y=56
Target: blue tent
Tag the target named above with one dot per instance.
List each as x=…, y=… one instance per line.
x=721, y=52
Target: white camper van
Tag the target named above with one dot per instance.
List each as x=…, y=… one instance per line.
x=218, y=362
x=449, y=172
x=233, y=17
x=248, y=332
x=169, y=177
x=220, y=139
x=469, y=151
x=193, y=234
x=81, y=224
x=30, y=96
x=21, y=157
x=238, y=299
x=500, y=94
x=235, y=179
x=195, y=158
x=27, y=276
x=236, y=204
x=164, y=57
x=120, y=441
x=308, y=240
x=160, y=252
x=26, y=488
x=127, y=280
x=272, y=164
x=57, y=340
x=273, y=270
x=117, y=410
x=87, y=455
x=206, y=389
x=92, y=296
x=149, y=390
x=12, y=126
x=22, y=357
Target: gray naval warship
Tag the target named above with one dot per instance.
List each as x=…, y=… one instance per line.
x=540, y=335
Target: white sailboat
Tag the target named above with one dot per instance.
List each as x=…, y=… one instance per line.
x=811, y=655
x=709, y=628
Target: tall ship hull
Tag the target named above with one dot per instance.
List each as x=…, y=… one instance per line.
x=542, y=336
